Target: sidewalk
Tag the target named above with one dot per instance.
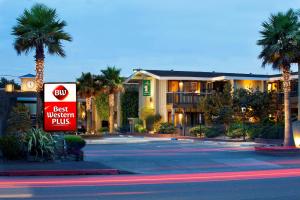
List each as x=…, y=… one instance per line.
x=58, y=168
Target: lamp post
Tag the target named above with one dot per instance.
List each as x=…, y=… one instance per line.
x=244, y=112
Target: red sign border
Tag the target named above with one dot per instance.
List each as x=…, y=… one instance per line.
x=76, y=123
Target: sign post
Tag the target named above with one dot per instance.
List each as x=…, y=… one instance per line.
x=146, y=88
x=60, y=109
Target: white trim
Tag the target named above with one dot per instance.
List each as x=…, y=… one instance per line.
x=217, y=78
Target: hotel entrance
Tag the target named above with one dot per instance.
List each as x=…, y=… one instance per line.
x=185, y=119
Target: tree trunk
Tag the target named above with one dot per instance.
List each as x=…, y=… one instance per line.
x=88, y=114
x=111, y=99
x=288, y=133
x=39, y=81
x=298, y=94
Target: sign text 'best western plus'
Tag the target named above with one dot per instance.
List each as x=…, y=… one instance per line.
x=60, y=107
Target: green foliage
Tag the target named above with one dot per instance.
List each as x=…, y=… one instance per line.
x=4, y=82
x=19, y=119
x=129, y=105
x=166, y=128
x=214, y=131
x=140, y=128
x=111, y=80
x=102, y=106
x=198, y=130
x=74, y=142
x=236, y=130
x=217, y=107
x=266, y=131
x=258, y=104
x=38, y=28
x=103, y=129
x=40, y=144
x=12, y=147
x=152, y=122
x=280, y=40
x=87, y=85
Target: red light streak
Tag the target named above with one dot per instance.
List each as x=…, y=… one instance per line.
x=150, y=179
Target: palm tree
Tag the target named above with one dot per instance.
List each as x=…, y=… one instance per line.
x=38, y=29
x=87, y=87
x=279, y=41
x=111, y=84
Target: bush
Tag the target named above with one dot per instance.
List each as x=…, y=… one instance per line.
x=151, y=120
x=103, y=129
x=266, y=131
x=12, y=147
x=214, y=131
x=74, y=146
x=166, y=128
x=197, y=130
x=236, y=130
x=40, y=144
x=74, y=142
x=140, y=128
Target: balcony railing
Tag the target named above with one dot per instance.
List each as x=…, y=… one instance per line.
x=184, y=97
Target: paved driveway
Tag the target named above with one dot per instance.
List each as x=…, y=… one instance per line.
x=150, y=156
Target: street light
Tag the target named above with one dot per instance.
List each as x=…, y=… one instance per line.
x=244, y=112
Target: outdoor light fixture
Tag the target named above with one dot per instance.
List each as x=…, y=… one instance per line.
x=243, y=109
x=83, y=114
x=9, y=88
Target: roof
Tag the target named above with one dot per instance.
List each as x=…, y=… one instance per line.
x=27, y=76
x=172, y=73
x=205, y=76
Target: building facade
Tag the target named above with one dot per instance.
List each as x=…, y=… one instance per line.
x=175, y=95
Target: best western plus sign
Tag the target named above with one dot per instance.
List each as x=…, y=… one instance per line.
x=60, y=107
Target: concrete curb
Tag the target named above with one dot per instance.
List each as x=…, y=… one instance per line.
x=59, y=172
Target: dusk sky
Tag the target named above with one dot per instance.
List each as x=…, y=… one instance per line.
x=195, y=35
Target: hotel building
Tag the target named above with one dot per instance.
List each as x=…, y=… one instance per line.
x=176, y=94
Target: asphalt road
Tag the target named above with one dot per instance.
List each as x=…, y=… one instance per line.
x=170, y=170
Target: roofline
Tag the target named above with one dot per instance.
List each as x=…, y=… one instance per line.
x=216, y=78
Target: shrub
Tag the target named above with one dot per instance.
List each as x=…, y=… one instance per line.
x=214, y=131
x=166, y=128
x=236, y=130
x=140, y=128
x=18, y=119
x=266, y=131
x=103, y=129
x=74, y=146
x=197, y=130
x=12, y=147
x=74, y=142
x=151, y=120
x=40, y=144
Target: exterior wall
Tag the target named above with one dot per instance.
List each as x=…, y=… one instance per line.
x=24, y=87
x=147, y=101
x=158, y=99
x=249, y=84
x=161, y=106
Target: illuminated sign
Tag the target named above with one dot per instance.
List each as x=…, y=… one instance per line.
x=60, y=111
x=146, y=88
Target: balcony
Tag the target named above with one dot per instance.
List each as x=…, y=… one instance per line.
x=184, y=98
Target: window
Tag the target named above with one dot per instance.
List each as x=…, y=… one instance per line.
x=173, y=86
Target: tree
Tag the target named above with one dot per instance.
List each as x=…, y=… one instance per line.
x=218, y=107
x=88, y=87
x=279, y=38
x=111, y=84
x=4, y=82
x=38, y=29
